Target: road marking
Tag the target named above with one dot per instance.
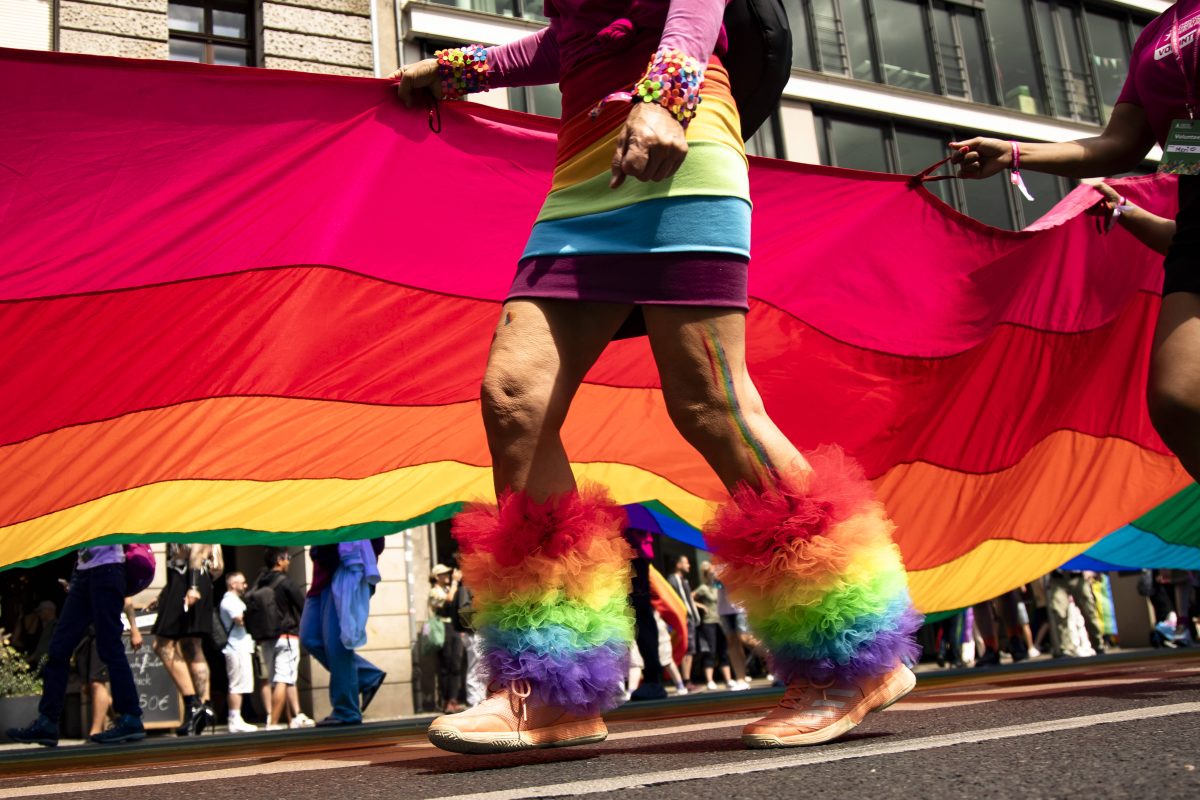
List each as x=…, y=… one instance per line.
x=578, y=788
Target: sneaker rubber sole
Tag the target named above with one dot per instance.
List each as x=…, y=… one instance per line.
x=569, y=734
x=898, y=684
x=136, y=736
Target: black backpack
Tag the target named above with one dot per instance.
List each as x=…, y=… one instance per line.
x=264, y=617
x=759, y=60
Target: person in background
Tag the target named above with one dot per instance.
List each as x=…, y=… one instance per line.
x=473, y=678
x=238, y=650
x=716, y=652
x=36, y=630
x=96, y=596
x=94, y=672
x=185, y=616
x=679, y=582
x=353, y=681
x=450, y=658
x=1063, y=586
x=733, y=625
x=284, y=652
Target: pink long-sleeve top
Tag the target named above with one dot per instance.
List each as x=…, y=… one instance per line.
x=580, y=29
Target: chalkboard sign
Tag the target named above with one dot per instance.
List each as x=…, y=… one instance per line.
x=162, y=707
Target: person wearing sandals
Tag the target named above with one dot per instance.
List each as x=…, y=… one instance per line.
x=646, y=230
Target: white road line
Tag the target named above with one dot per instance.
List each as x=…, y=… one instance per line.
x=578, y=788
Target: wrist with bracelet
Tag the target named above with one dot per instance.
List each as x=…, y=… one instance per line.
x=1015, y=171
x=463, y=71
x=672, y=80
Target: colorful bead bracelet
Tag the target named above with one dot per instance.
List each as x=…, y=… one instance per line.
x=673, y=81
x=463, y=70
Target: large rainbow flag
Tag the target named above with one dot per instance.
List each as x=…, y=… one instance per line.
x=254, y=306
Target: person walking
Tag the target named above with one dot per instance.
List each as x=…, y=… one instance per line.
x=274, y=620
x=682, y=585
x=185, y=617
x=715, y=652
x=328, y=623
x=96, y=597
x=646, y=230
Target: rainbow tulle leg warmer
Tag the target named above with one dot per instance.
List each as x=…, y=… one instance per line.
x=551, y=586
x=813, y=562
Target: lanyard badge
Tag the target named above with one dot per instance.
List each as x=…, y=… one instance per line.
x=1181, y=153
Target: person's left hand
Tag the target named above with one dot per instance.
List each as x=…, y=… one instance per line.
x=191, y=598
x=135, y=638
x=650, y=147
x=1111, y=200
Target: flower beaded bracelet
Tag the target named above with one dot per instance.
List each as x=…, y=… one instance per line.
x=673, y=81
x=463, y=70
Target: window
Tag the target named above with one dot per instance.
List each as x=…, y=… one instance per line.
x=864, y=142
x=527, y=9
x=904, y=44
x=1055, y=57
x=545, y=100
x=212, y=32
x=1068, y=76
x=767, y=141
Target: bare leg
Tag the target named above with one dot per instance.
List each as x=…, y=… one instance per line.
x=1174, y=389
x=197, y=667
x=540, y=353
x=176, y=666
x=235, y=704
x=101, y=703
x=293, y=699
x=278, y=702
x=701, y=358
x=267, y=694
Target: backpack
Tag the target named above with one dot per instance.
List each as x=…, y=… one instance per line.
x=220, y=634
x=139, y=568
x=759, y=60
x=264, y=617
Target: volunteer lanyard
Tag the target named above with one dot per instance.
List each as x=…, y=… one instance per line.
x=1189, y=76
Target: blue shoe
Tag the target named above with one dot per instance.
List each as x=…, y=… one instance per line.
x=127, y=728
x=42, y=730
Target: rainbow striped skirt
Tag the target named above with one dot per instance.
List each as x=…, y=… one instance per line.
x=682, y=241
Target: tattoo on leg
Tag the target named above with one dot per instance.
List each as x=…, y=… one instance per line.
x=719, y=363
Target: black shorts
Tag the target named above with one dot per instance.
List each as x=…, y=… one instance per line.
x=1182, y=264
x=175, y=623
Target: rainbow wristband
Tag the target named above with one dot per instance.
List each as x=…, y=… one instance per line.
x=463, y=70
x=672, y=80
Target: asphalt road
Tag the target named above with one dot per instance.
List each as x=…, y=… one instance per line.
x=1101, y=728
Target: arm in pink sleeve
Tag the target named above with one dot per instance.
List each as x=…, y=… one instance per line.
x=693, y=27
x=529, y=61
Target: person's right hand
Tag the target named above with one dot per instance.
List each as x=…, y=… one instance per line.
x=981, y=157
x=456, y=576
x=414, y=77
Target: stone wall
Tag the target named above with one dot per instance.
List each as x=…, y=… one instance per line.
x=127, y=28
x=329, y=36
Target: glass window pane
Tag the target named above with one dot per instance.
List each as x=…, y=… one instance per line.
x=534, y=9
x=858, y=39
x=858, y=145
x=182, y=50
x=229, y=23
x=905, y=50
x=827, y=32
x=229, y=55
x=822, y=140
x=185, y=18
x=974, y=46
x=1110, y=57
x=506, y=8
x=1046, y=191
x=917, y=150
x=1062, y=46
x=1012, y=38
x=547, y=100
x=954, y=71
x=516, y=99
x=801, y=47
x=987, y=201
x=765, y=141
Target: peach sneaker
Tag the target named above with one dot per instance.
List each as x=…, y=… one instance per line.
x=509, y=720
x=813, y=713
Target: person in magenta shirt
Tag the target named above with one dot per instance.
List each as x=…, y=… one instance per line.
x=646, y=231
x=1162, y=84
